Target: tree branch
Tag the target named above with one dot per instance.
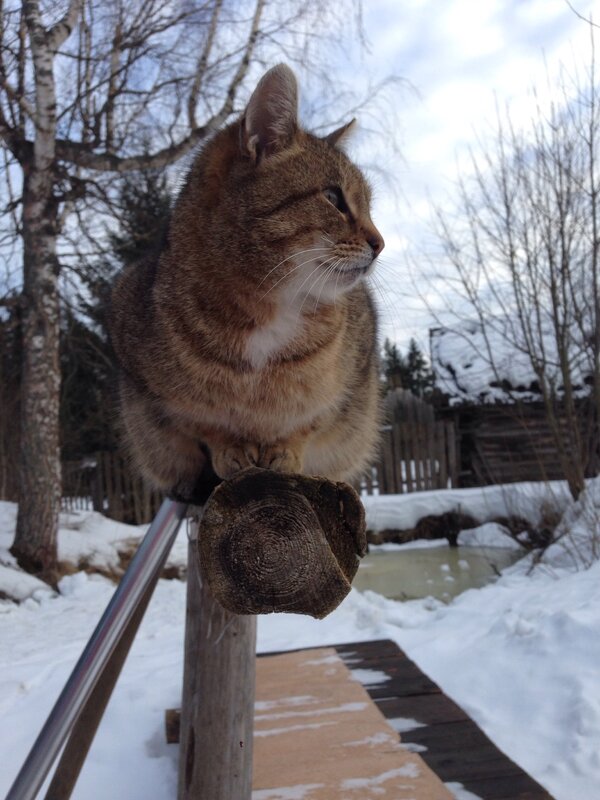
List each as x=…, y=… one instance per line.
x=60, y=32
x=203, y=63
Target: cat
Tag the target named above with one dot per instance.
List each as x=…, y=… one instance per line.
x=250, y=339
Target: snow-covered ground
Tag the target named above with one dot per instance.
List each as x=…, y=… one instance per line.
x=522, y=656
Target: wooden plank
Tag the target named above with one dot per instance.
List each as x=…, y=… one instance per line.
x=388, y=470
x=449, y=742
x=146, y=502
x=98, y=488
x=118, y=472
x=136, y=489
x=431, y=456
x=106, y=468
x=415, y=458
x=363, y=652
x=432, y=709
x=440, y=430
x=452, y=453
x=397, y=458
x=402, y=467
x=508, y=787
x=407, y=456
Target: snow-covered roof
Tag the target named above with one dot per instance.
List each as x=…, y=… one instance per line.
x=490, y=363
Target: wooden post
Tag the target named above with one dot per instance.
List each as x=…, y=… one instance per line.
x=217, y=714
x=267, y=541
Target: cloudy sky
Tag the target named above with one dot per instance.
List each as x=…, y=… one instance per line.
x=464, y=58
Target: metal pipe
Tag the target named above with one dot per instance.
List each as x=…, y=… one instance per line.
x=147, y=562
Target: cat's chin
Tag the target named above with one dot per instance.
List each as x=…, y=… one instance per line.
x=342, y=280
x=336, y=286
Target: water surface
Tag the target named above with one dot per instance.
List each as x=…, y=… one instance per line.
x=439, y=571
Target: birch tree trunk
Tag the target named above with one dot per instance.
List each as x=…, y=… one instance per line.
x=39, y=460
x=39, y=457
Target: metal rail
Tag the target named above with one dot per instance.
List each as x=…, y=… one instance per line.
x=144, y=567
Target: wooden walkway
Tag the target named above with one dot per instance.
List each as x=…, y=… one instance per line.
x=430, y=724
x=449, y=742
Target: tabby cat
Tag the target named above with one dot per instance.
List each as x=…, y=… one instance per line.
x=251, y=337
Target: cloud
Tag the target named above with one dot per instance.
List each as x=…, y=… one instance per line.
x=468, y=60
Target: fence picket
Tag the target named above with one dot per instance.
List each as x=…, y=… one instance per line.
x=414, y=456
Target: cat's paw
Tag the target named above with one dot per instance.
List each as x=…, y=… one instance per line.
x=230, y=460
x=279, y=458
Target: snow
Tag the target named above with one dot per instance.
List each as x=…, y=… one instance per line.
x=87, y=538
x=475, y=363
x=491, y=534
x=521, y=656
x=299, y=792
x=460, y=793
x=526, y=500
x=578, y=533
x=363, y=784
x=17, y=585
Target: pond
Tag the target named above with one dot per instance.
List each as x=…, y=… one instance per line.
x=438, y=571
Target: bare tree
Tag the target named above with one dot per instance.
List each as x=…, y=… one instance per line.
x=90, y=89
x=523, y=244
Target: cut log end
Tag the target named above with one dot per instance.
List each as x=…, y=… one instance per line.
x=271, y=541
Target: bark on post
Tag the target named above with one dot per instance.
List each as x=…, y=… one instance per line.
x=217, y=714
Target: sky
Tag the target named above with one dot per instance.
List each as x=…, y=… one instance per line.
x=459, y=61
x=463, y=60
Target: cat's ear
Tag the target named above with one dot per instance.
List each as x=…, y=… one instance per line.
x=339, y=136
x=271, y=118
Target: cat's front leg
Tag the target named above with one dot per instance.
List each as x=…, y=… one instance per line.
x=229, y=458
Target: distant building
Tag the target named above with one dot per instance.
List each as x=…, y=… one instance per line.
x=475, y=363
x=486, y=383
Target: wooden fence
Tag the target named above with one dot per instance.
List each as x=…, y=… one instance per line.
x=417, y=452
x=414, y=458
x=106, y=483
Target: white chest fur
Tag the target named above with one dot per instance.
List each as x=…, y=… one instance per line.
x=268, y=340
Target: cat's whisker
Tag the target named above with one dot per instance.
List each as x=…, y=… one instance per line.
x=336, y=287
x=305, y=281
x=283, y=277
x=324, y=278
x=328, y=272
x=292, y=255
x=376, y=283
x=308, y=277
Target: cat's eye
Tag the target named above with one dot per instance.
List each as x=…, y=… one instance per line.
x=336, y=197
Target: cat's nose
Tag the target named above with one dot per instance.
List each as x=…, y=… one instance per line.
x=375, y=241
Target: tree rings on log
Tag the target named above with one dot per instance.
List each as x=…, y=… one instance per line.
x=272, y=541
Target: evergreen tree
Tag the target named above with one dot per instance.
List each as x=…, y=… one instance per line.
x=88, y=364
x=392, y=365
x=419, y=375
x=410, y=371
